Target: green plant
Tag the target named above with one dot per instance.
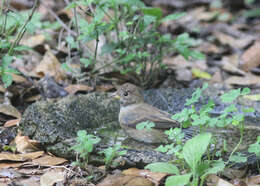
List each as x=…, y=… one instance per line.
x=190, y=154
x=255, y=147
x=84, y=146
x=111, y=153
x=12, y=29
x=132, y=39
x=11, y=23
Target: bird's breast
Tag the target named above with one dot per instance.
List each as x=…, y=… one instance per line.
x=128, y=114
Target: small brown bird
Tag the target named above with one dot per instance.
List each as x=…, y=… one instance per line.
x=133, y=110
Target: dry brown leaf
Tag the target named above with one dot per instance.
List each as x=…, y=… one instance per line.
x=207, y=16
x=72, y=89
x=183, y=74
x=24, y=144
x=18, y=78
x=233, y=42
x=104, y=88
x=207, y=47
x=155, y=177
x=2, y=89
x=217, y=181
x=33, y=98
x=10, y=111
x=126, y=180
x=176, y=62
x=230, y=64
x=10, y=123
x=53, y=176
x=51, y=66
x=47, y=160
x=245, y=81
x=253, y=180
x=10, y=165
x=251, y=57
x=12, y=157
x=20, y=157
x=216, y=78
x=33, y=40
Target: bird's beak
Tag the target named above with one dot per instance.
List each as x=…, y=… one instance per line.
x=115, y=95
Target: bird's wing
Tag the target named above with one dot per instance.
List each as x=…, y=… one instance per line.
x=145, y=112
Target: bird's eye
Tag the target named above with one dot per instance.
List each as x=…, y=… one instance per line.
x=125, y=94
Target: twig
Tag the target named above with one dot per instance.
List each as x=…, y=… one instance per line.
x=58, y=19
x=23, y=29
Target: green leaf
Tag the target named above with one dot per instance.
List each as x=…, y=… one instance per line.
x=22, y=48
x=245, y=91
x=163, y=167
x=201, y=74
x=218, y=166
x=239, y=158
x=255, y=147
x=7, y=79
x=85, y=61
x=252, y=13
x=155, y=12
x=230, y=96
x=145, y=125
x=108, y=48
x=197, y=55
x=195, y=148
x=173, y=16
x=179, y=180
x=248, y=110
x=71, y=5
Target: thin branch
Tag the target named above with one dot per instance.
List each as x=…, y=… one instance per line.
x=23, y=29
x=58, y=19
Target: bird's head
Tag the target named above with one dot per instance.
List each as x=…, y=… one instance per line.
x=128, y=94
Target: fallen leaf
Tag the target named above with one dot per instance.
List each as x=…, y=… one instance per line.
x=126, y=180
x=183, y=74
x=155, y=177
x=253, y=97
x=2, y=89
x=47, y=160
x=10, y=123
x=18, y=78
x=233, y=42
x=200, y=74
x=231, y=63
x=24, y=144
x=10, y=111
x=207, y=47
x=253, y=180
x=176, y=62
x=247, y=80
x=207, y=16
x=51, y=66
x=20, y=157
x=10, y=165
x=104, y=88
x=53, y=176
x=217, y=181
x=33, y=40
x=251, y=57
x=216, y=78
x=33, y=98
x=72, y=89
